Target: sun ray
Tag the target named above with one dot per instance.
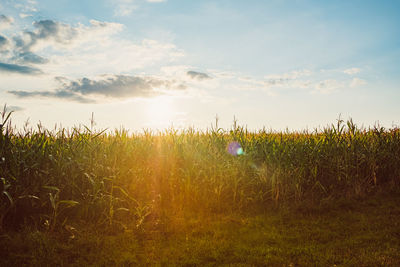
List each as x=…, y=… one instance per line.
x=160, y=112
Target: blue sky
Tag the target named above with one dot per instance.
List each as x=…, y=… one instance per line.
x=153, y=64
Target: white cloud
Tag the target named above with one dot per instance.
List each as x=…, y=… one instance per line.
x=327, y=86
x=352, y=71
x=26, y=6
x=77, y=51
x=175, y=70
x=51, y=41
x=357, y=82
x=124, y=7
x=24, y=15
x=64, y=36
x=112, y=55
x=273, y=84
x=293, y=79
x=270, y=84
x=5, y=22
x=289, y=75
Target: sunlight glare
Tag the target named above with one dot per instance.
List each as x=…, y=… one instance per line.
x=160, y=112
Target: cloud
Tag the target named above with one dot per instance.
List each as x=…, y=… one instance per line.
x=63, y=49
x=327, y=86
x=289, y=75
x=50, y=33
x=5, y=21
x=14, y=68
x=357, y=82
x=114, y=86
x=277, y=82
x=26, y=6
x=352, y=71
x=50, y=29
x=57, y=94
x=29, y=57
x=198, y=75
x=23, y=15
x=3, y=43
x=299, y=80
x=124, y=7
x=85, y=90
x=289, y=79
x=54, y=33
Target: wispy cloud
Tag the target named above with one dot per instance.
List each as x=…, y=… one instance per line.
x=14, y=68
x=119, y=86
x=306, y=80
x=291, y=79
x=3, y=43
x=289, y=75
x=115, y=55
x=198, y=75
x=352, y=71
x=24, y=15
x=57, y=34
x=26, y=5
x=29, y=57
x=25, y=47
x=93, y=48
x=327, y=86
x=124, y=7
x=56, y=94
x=86, y=90
x=5, y=21
x=357, y=82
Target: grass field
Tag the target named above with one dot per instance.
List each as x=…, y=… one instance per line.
x=347, y=233
x=81, y=196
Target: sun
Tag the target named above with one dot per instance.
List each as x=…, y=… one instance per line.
x=160, y=112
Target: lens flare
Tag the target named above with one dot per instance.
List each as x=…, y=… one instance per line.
x=235, y=149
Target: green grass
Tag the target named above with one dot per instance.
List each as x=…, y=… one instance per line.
x=347, y=233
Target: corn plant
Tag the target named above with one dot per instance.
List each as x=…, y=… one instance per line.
x=57, y=206
x=118, y=178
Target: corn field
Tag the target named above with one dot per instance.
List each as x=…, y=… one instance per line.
x=54, y=178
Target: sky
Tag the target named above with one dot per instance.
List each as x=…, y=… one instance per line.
x=154, y=64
